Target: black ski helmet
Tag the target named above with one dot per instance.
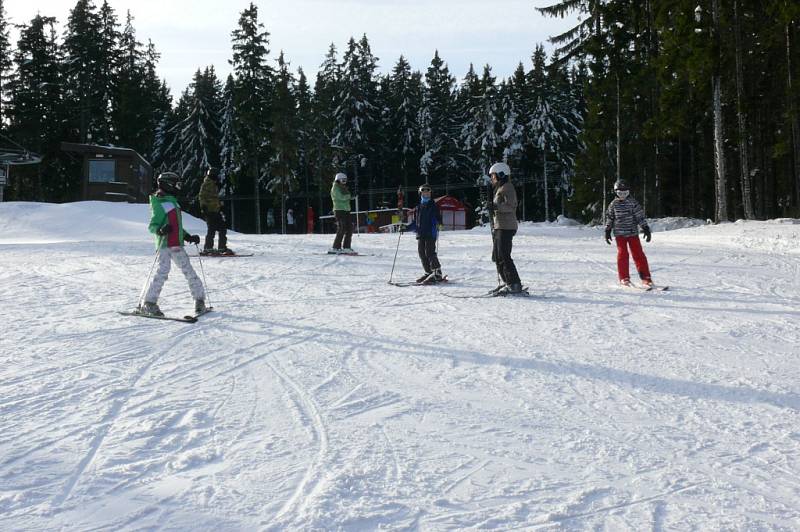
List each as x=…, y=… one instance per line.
x=213, y=173
x=424, y=188
x=169, y=182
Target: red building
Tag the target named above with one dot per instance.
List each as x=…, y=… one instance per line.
x=454, y=213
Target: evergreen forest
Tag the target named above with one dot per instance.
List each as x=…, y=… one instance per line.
x=694, y=103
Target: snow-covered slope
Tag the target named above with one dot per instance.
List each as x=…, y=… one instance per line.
x=317, y=396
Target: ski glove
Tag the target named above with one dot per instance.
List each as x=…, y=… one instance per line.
x=193, y=239
x=608, y=236
x=164, y=230
x=647, y=235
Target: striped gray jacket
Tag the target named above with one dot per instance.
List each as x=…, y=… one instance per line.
x=625, y=217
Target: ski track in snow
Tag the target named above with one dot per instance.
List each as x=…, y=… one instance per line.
x=317, y=396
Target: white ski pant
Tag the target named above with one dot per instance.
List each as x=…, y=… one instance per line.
x=166, y=256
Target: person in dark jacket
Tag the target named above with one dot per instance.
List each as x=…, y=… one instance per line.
x=624, y=217
x=211, y=208
x=426, y=220
x=504, y=227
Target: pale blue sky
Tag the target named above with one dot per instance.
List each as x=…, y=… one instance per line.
x=195, y=33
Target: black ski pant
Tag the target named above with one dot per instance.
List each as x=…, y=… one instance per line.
x=344, y=230
x=501, y=255
x=216, y=224
x=426, y=247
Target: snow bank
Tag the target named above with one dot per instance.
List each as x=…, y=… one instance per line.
x=673, y=223
x=569, y=222
x=49, y=223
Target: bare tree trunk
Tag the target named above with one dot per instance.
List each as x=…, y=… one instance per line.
x=605, y=205
x=793, y=114
x=257, y=191
x=721, y=184
x=283, y=202
x=644, y=188
x=544, y=174
x=693, y=177
x=744, y=158
x=657, y=210
x=680, y=177
x=619, y=134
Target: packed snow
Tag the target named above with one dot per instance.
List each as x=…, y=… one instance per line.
x=317, y=396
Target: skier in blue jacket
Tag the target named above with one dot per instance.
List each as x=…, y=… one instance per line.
x=426, y=220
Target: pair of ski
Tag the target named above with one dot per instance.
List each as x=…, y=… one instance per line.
x=353, y=254
x=186, y=319
x=494, y=293
x=426, y=282
x=646, y=288
x=220, y=255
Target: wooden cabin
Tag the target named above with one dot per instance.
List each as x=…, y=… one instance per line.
x=111, y=173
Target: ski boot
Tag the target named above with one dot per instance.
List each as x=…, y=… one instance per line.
x=648, y=283
x=348, y=251
x=226, y=252
x=334, y=251
x=208, y=251
x=199, y=306
x=625, y=282
x=423, y=277
x=150, y=309
x=499, y=288
x=434, y=277
x=510, y=290
x=515, y=288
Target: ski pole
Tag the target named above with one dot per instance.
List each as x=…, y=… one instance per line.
x=147, y=281
x=202, y=271
x=400, y=233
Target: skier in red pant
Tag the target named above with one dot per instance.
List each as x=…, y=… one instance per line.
x=625, y=216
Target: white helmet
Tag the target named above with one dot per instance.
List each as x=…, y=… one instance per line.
x=501, y=169
x=340, y=177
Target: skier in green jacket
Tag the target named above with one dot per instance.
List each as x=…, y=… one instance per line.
x=166, y=225
x=341, y=209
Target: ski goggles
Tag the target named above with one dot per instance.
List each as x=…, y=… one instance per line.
x=424, y=190
x=622, y=194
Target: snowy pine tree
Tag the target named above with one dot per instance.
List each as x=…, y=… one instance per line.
x=356, y=117
x=141, y=99
x=441, y=159
x=5, y=65
x=513, y=110
x=554, y=125
x=481, y=130
x=229, y=143
x=199, y=133
x=83, y=67
x=402, y=121
x=325, y=101
x=283, y=164
x=304, y=132
x=36, y=113
x=109, y=59
x=253, y=91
